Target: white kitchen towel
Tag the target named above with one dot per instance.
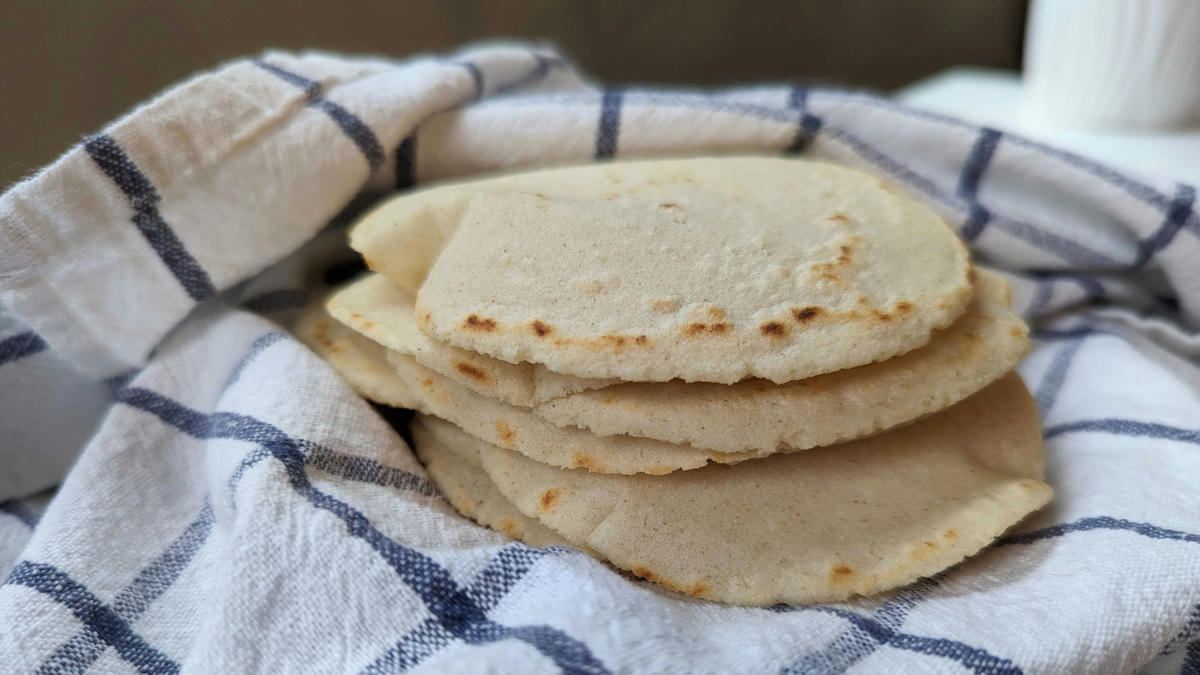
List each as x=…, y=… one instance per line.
x=234, y=507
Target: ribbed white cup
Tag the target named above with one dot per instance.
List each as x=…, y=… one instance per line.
x=1114, y=63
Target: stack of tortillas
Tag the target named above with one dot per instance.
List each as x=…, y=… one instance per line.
x=752, y=380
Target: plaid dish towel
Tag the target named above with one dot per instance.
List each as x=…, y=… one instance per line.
x=222, y=502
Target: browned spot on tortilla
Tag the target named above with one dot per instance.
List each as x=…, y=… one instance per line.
x=659, y=470
x=950, y=533
x=801, y=315
x=845, y=255
x=675, y=211
x=582, y=460
x=1016, y=331
x=643, y=573
x=839, y=218
x=840, y=574
x=715, y=313
x=1029, y=484
x=698, y=328
x=903, y=307
x=541, y=329
x=609, y=400
x=472, y=372
x=882, y=315
x=362, y=321
x=613, y=342
x=548, y=500
x=507, y=526
x=930, y=544
x=321, y=336
x=427, y=383
x=971, y=274
x=505, y=434
x=665, y=304
x=698, y=590
x=773, y=329
x=473, y=322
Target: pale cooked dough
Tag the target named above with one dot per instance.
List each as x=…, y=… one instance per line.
x=709, y=269
x=383, y=312
x=463, y=481
x=360, y=362
x=984, y=343
x=980, y=346
x=815, y=526
x=520, y=430
x=407, y=384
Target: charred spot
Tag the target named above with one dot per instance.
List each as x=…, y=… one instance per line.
x=698, y=590
x=903, y=307
x=839, y=218
x=930, y=544
x=507, y=526
x=643, y=572
x=541, y=329
x=882, y=316
x=846, y=254
x=773, y=329
x=641, y=340
x=472, y=372
x=805, y=314
x=698, y=328
x=1016, y=331
x=715, y=313
x=473, y=322
x=427, y=383
x=548, y=500
x=950, y=533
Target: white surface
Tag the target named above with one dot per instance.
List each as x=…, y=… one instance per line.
x=1114, y=62
x=995, y=98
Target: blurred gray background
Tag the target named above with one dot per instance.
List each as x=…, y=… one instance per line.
x=67, y=68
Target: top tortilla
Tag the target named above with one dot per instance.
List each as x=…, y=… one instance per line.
x=710, y=269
